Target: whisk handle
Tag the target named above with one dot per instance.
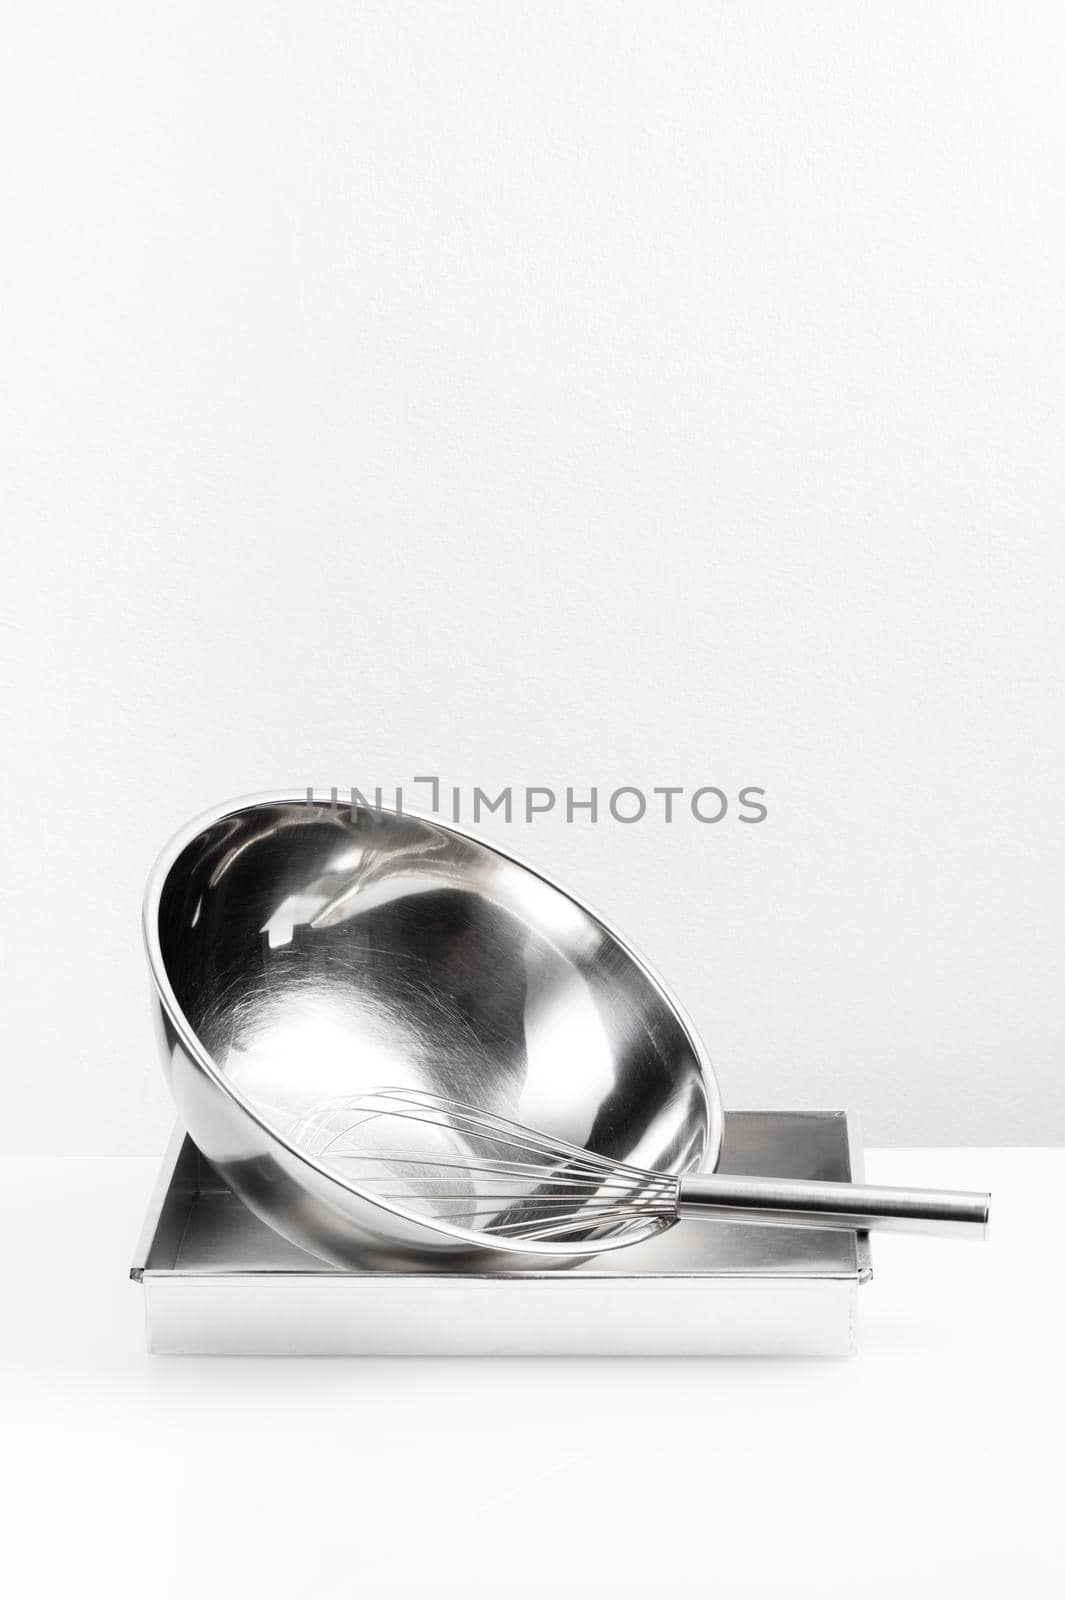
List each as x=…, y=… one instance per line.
x=802, y=1203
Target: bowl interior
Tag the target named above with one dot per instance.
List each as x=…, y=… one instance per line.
x=320, y=950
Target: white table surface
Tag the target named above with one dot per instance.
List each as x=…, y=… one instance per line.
x=929, y=1463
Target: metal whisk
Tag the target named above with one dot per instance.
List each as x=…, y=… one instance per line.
x=479, y=1177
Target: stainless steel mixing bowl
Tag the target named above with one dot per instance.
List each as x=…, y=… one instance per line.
x=304, y=950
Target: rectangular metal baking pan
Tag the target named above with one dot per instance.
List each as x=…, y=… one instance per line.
x=217, y=1281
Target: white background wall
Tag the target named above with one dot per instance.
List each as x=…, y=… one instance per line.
x=565, y=394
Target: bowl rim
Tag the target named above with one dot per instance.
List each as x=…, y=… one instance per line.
x=202, y=1058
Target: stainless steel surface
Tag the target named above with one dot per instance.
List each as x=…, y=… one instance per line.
x=303, y=951
x=801, y=1204
x=217, y=1281
x=486, y=1179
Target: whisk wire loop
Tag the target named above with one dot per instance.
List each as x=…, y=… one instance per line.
x=471, y=1169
